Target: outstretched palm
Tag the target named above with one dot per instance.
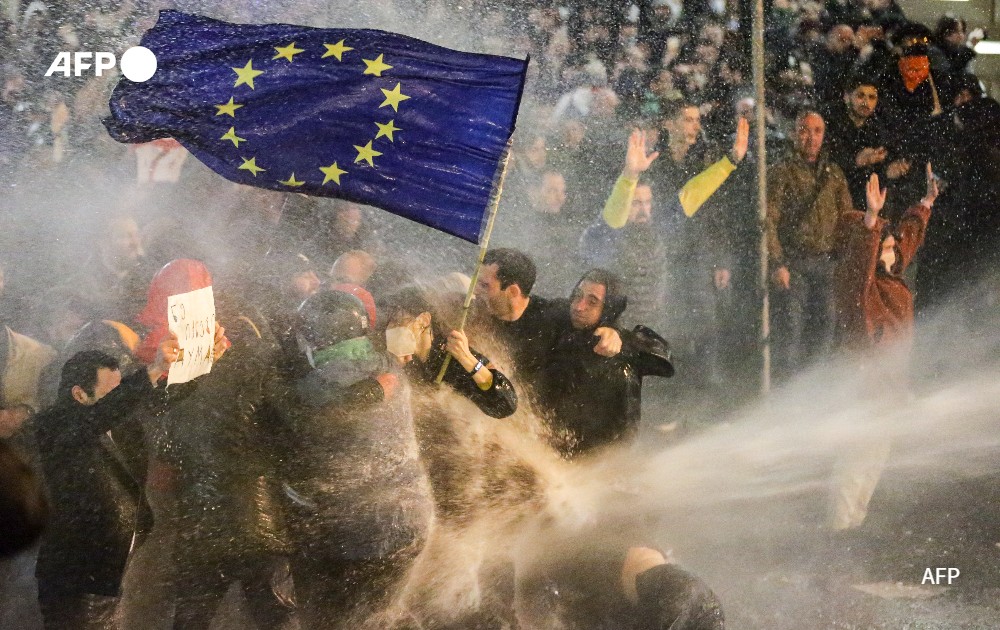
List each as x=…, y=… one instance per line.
x=636, y=159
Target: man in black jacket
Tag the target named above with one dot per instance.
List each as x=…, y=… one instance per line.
x=595, y=400
x=82, y=557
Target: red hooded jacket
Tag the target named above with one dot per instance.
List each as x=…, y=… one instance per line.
x=177, y=276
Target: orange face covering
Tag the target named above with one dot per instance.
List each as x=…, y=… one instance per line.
x=914, y=70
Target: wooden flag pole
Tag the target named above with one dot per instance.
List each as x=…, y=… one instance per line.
x=757, y=38
x=483, y=246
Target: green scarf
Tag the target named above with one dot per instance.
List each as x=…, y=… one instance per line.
x=358, y=349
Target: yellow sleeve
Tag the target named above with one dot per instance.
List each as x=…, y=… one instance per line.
x=703, y=185
x=619, y=203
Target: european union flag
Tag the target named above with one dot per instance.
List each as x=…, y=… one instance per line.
x=374, y=117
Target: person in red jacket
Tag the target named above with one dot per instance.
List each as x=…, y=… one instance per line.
x=874, y=304
x=874, y=317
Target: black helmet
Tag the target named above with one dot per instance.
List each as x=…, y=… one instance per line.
x=328, y=317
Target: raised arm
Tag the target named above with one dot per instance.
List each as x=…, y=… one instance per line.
x=637, y=161
x=699, y=188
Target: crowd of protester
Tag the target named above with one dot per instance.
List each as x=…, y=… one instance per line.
x=667, y=247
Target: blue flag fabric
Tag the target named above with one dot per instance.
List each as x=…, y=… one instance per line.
x=374, y=117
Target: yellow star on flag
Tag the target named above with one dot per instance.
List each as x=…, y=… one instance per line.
x=231, y=135
x=387, y=130
x=335, y=50
x=251, y=165
x=287, y=52
x=376, y=66
x=291, y=181
x=332, y=173
x=229, y=108
x=393, y=97
x=246, y=74
x=366, y=153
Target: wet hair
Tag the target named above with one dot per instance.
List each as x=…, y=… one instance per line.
x=513, y=267
x=23, y=507
x=81, y=369
x=408, y=300
x=615, y=299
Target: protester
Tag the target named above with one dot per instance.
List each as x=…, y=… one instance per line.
x=807, y=195
x=360, y=505
x=596, y=401
x=875, y=320
x=83, y=556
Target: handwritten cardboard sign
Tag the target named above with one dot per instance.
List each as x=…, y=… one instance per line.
x=191, y=317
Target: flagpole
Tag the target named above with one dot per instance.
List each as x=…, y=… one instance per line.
x=757, y=50
x=483, y=247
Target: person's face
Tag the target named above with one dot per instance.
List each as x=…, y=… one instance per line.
x=863, y=100
x=642, y=205
x=956, y=37
x=587, y=305
x=687, y=125
x=305, y=284
x=840, y=39
x=420, y=327
x=125, y=241
x=888, y=254
x=348, y=220
x=535, y=154
x=107, y=380
x=488, y=289
x=809, y=137
x=553, y=193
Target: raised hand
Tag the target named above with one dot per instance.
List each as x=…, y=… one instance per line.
x=636, y=159
x=875, y=197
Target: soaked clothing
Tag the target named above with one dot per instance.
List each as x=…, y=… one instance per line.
x=356, y=462
x=530, y=338
x=499, y=401
x=214, y=452
x=593, y=400
x=596, y=401
x=87, y=544
x=359, y=502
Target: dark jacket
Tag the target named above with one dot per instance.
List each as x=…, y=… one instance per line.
x=87, y=544
x=499, y=401
x=595, y=401
x=218, y=440
x=356, y=484
x=528, y=340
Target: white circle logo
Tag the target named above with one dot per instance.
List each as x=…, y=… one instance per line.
x=138, y=64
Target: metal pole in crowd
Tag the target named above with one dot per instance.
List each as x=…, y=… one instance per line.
x=483, y=247
x=757, y=38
